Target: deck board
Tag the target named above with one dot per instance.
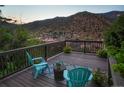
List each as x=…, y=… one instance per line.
x=25, y=78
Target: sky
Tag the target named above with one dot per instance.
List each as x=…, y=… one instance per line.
x=29, y=13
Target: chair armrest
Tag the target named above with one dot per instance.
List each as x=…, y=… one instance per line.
x=37, y=58
x=65, y=75
x=41, y=64
x=90, y=77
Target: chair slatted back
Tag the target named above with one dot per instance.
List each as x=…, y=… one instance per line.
x=29, y=58
x=79, y=76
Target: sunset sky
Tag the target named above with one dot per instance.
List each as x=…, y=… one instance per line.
x=28, y=13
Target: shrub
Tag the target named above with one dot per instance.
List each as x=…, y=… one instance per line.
x=102, y=53
x=114, y=38
x=111, y=38
x=122, y=46
x=100, y=78
x=67, y=49
x=114, y=34
x=112, y=50
x=33, y=41
x=120, y=57
x=119, y=68
x=17, y=38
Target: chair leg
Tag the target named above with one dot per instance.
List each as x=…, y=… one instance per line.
x=37, y=72
x=48, y=69
x=67, y=84
x=41, y=71
x=32, y=72
x=36, y=75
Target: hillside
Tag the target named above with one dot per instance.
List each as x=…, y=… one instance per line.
x=4, y=24
x=112, y=15
x=82, y=25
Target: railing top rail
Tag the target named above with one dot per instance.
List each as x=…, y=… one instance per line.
x=48, y=44
x=30, y=47
x=83, y=41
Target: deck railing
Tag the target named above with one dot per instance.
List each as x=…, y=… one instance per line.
x=85, y=46
x=15, y=60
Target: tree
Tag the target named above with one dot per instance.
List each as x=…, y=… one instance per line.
x=16, y=39
x=5, y=19
x=115, y=34
x=20, y=36
x=5, y=39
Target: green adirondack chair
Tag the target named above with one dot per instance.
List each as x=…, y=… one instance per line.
x=37, y=68
x=77, y=77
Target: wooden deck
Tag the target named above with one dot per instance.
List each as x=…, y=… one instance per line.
x=24, y=78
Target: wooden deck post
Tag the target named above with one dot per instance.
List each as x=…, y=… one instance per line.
x=84, y=47
x=45, y=52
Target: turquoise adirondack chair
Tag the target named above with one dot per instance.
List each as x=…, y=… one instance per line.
x=77, y=77
x=37, y=68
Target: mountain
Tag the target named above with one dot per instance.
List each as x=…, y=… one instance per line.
x=4, y=24
x=112, y=15
x=82, y=25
